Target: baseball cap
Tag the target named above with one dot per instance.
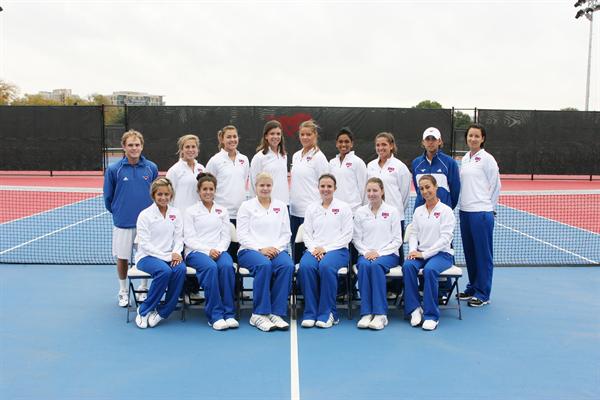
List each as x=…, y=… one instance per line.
x=432, y=132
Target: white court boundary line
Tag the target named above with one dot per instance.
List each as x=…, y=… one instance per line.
x=42, y=189
x=51, y=233
x=547, y=243
x=294, y=374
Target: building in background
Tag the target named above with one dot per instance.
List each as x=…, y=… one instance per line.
x=60, y=95
x=135, y=99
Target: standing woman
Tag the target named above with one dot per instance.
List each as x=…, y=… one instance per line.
x=271, y=158
x=430, y=249
x=207, y=237
x=184, y=172
x=160, y=241
x=377, y=237
x=327, y=232
x=231, y=168
x=480, y=189
x=264, y=233
x=349, y=171
x=394, y=174
x=308, y=164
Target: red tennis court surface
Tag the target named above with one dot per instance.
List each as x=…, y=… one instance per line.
x=19, y=204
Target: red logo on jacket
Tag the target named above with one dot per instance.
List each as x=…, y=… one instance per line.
x=308, y=158
x=335, y=210
x=477, y=159
x=218, y=210
x=241, y=162
x=277, y=210
x=390, y=169
x=436, y=214
x=385, y=214
x=348, y=164
x=172, y=217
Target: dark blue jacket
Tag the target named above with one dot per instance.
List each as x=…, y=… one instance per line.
x=445, y=171
x=127, y=190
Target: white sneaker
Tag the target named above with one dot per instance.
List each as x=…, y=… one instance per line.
x=197, y=296
x=154, y=318
x=416, y=317
x=364, y=321
x=219, y=325
x=141, y=321
x=262, y=322
x=142, y=296
x=232, y=323
x=430, y=325
x=330, y=322
x=379, y=322
x=307, y=323
x=279, y=322
x=123, y=299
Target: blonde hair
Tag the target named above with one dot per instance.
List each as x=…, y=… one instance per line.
x=312, y=125
x=263, y=175
x=221, y=134
x=181, y=142
x=161, y=182
x=129, y=134
x=390, y=139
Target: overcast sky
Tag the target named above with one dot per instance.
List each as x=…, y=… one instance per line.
x=485, y=54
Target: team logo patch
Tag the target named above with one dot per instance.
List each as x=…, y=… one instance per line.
x=439, y=170
x=199, y=169
x=277, y=210
x=218, y=210
x=436, y=214
x=172, y=217
x=423, y=170
x=385, y=214
x=241, y=162
x=125, y=179
x=477, y=159
x=335, y=210
x=391, y=169
x=308, y=158
x=348, y=164
x=146, y=177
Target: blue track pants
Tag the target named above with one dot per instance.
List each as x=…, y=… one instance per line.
x=372, y=283
x=476, y=230
x=164, y=278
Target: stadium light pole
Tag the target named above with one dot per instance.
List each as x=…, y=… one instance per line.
x=588, y=7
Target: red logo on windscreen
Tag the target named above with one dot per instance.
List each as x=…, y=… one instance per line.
x=290, y=123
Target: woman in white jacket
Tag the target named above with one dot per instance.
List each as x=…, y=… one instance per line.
x=207, y=237
x=430, y=249
x=263, y=232
x=160, y=242
x=271, y=158
x=184, y=172
x=377, y=237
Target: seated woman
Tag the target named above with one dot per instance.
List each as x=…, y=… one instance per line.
x=327, y=232
x=377, y=238
x=160, y=241
x=263, y=229
x=207, y=237
x=429, y=248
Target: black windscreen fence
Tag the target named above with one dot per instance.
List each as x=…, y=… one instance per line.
x=161, y=127
x=51, y=138
x=543, y=142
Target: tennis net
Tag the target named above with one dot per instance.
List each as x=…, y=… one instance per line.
x=46, y=225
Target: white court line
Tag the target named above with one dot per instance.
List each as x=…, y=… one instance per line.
x=547, y=243
x=52, y=233
x=294, y=374
x=47, y=211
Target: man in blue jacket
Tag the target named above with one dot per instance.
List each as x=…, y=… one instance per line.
x=126, y=193
x=445, y=171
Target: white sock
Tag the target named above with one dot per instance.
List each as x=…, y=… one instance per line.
x=144, y=283
x=122, y=285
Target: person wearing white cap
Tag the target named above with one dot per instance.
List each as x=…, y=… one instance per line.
x=441, y=166
x=480, y=190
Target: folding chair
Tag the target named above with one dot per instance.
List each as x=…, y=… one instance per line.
x=395, y=273
x=453, y=274
x=191, y=272
x=344, y=273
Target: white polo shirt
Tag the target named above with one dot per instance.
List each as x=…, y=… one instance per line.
x=259, y=227
x=232, y=177
x=479, y=182
x=276, y=165
x=159, y=236
x=184, y=183
x=306, y=171
x=380, y=232
x=432, y=232
x=205, y=229
x=351, y=177
x=330, y=228
x=396, y=182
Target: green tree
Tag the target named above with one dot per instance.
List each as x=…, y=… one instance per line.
x=8, y=92
x=461, y=120
x=429, y=104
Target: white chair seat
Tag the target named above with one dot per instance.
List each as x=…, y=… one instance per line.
x=190, y=271
x=452, y=271
x=135, y=273
x=395, y=272
x=243, y=271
